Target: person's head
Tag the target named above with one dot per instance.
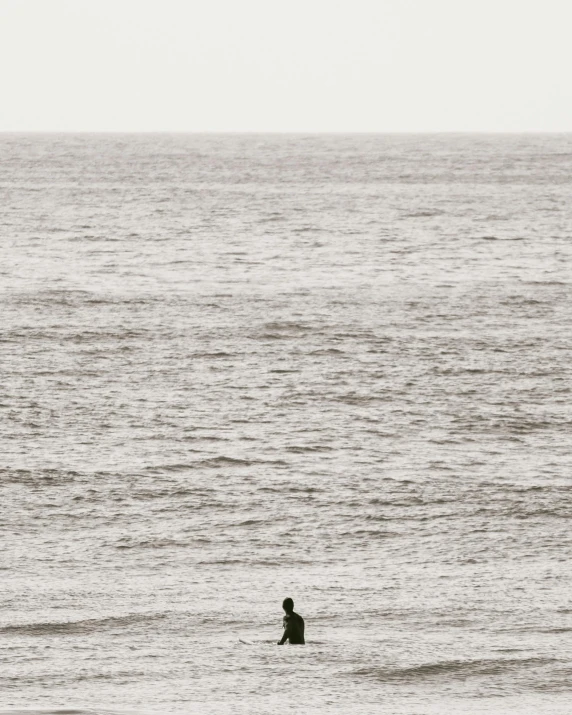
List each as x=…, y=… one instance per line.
x=288, y=605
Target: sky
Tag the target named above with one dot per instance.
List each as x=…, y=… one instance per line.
x=286, y=65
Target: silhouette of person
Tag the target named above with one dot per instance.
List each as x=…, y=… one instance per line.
x=293, y=625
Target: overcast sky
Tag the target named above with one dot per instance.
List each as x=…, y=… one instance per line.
x=286, y=65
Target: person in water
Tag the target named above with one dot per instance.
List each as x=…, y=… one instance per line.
x=293, y=625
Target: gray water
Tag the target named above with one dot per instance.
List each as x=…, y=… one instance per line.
x=240, y=368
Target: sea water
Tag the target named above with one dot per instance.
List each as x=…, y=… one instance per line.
x=240, y=368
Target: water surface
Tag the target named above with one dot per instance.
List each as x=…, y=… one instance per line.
x=239, y=368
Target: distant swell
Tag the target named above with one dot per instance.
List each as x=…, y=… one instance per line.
x=454, y=669
x=69, y=711
x=213, y=463
x=90, y=625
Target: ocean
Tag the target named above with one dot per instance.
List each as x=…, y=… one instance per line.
x=237, y=368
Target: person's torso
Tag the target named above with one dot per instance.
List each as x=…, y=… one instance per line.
x=295, y=625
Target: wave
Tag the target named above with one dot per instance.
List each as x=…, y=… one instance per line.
x=454, y=669
x=212, y=355
x=244, y=562
x=88, y=625
x=287, y=489
x=153, y=544
x=49, y=477
x=327, y=351
x=213, y=463
x=59, y=711
x=282, y=330
x=356, y=399
x=270, y=218
x=302, y=449
x=70, y=711
x=546, y=283
x=308, y=229
x=428, y=213
x=286, y=325
x=223, y=461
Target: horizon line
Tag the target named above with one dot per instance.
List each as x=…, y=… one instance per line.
x=276, y=132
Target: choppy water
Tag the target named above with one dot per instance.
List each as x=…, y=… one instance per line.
x=241, y=368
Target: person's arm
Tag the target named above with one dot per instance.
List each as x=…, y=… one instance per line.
x=286, y=632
